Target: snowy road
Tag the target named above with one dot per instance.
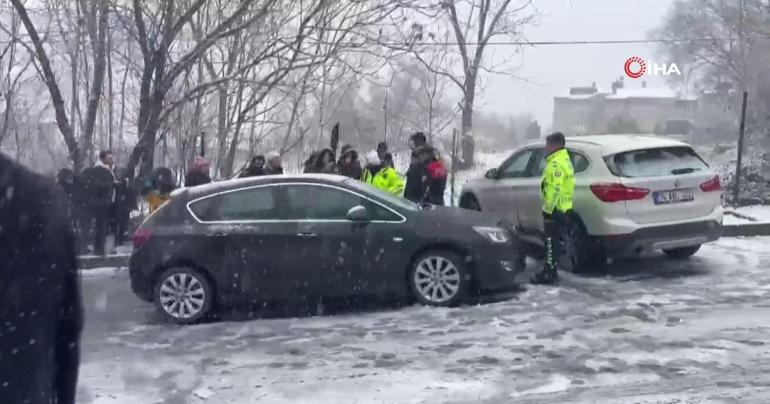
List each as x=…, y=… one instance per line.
x=653, y=331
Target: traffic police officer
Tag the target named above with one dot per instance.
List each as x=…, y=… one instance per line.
x=557, y=188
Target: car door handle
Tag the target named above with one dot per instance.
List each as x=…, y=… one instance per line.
x=215, y=234
x=307, y=234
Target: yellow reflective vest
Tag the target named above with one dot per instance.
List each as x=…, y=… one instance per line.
x=558, y=184
x=387, y=179
x=156, y=200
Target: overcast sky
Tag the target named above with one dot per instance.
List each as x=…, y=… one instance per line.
x=552, y=69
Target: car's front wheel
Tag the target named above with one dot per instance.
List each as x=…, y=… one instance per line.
x=439, y=278
x=183, y=295
x=683, y=252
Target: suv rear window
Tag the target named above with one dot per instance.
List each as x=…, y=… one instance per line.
x=656, y=162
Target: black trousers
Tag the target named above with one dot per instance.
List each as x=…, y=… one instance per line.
x=99, y=226
x=553, y=227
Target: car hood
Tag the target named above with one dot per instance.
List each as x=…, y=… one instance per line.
x=459, y=216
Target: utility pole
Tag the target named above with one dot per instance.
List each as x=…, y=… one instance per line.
x=741, y=130
x=385, y=104
x=385, y=114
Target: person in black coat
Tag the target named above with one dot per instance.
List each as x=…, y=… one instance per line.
x=349, y=165
x=40, y=306
x=199, y=174
x=255, y=168
x=99, y=190
x=125, y=202
x=415, y=189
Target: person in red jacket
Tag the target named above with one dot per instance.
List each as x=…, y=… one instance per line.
x=434, y=176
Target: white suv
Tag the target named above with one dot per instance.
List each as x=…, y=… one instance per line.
x=633, y=193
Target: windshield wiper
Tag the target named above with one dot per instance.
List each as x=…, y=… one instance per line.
x=678, y=171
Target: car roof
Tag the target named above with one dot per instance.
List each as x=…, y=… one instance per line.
x=617, y=143
x=226, y=185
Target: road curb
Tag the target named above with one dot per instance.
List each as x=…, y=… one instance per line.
x=93, y=262
x=746, y=230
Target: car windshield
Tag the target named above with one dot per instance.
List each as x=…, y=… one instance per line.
x=656, y=162
x=380, y=194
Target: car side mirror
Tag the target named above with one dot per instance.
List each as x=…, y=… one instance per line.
x=358, y=214
x=492, y=174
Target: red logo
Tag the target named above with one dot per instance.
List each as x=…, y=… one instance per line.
x=632, y=71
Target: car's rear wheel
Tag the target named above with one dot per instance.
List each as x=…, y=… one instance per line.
x=183, y=295
x=468, y=201
x=683, y=252
x=439, y=278
x=579, y=254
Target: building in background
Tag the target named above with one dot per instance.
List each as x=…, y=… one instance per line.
x=637, y=110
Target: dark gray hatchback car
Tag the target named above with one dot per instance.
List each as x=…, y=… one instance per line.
x=286, y=237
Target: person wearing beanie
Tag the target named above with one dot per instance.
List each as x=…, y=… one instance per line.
x=199, y=174
x=273, y=166
x=348, y=165
x=381, y=176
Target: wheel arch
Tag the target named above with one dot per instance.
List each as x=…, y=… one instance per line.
x=469, y=194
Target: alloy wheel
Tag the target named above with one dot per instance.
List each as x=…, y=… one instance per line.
x=182, y=296
x=437, y=279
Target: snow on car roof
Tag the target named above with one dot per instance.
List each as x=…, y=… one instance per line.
x=616, y=143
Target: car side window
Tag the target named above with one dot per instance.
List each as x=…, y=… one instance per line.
x=312, y=202
x=247, y=204
x=516, y=165
x=579, y=162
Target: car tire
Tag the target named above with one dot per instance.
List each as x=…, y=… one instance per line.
x=683, y=252
x=579, y=253
x=183, y=295
x=439, y=278
x=470, y=202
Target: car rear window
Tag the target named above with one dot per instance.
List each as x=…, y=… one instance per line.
x=656, y=162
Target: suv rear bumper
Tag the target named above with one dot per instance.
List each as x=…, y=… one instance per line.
x=662, y=237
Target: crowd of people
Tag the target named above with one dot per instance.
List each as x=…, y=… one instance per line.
x=425, y=179
x=102, y=197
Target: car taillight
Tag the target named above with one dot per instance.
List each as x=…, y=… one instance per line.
x=608, y=192
x=140, y=236
x=711, y=185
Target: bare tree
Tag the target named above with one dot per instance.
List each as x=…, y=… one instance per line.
x=473, y=25
x=12, y=70
x=157, y=29
x=96, y=13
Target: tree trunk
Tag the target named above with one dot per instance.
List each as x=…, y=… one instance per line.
x=468, y=141
x=100, y=67
x=221, y=130
x=227, y=169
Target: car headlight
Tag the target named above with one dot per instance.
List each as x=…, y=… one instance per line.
x=493, y=234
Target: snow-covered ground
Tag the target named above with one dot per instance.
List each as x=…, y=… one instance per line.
x=652, y=331
x=748, y=214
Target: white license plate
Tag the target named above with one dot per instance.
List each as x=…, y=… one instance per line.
x=677, y=196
